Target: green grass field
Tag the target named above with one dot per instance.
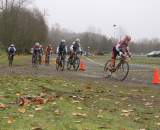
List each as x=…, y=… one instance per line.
x=77, y=105
x=18, y=60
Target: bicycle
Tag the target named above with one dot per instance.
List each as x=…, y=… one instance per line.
x=121, y=70
x=74, y=61
x=10, y=59
x=60, y=62
x=36, y=60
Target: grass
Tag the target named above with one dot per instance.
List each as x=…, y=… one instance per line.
x=108, y=107
x=135, y=60
x=18, y=60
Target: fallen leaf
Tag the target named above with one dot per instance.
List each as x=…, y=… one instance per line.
x=18, y=94
x=10, y=120
x=79, y=108
x=31, y=115
x=115, y=86
x=79, y=114
x=57, y=112
x=2, y=97
x=38, y=109
x=54, y=103
x=125, y=114
x=75, y=101
x=125, y=98
x=125, y=111
x=61, y=98
x=148, y=104
x=100, y=110
x=37, y=128
x=77, y=121
x=22, y=110
x=117, y=103
x=100, y=116
x=157, y=116
x=158, y=123
x=2, y=106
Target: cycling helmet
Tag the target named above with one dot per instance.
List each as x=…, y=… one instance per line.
x=63, y=41
x=37, y=44
x=77, y=40
x=127, y=38
x=12, y=45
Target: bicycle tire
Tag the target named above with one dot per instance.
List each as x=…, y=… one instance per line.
x=106, y=69
x=121, y=66
x=69, y=64
x=76, y=62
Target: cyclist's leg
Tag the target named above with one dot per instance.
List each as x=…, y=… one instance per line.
x=33, y=59
x=114, y=55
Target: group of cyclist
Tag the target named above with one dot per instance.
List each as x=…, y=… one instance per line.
x=38, y=52
x=73, y=49
x=121, y=48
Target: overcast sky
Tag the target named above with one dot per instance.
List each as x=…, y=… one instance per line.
x=139, y=18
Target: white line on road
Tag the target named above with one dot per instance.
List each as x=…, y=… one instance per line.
x=132, y=70
x=94, y=62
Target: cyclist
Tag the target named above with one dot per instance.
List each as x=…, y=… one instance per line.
x=48, y=53
x=121, y=48
x=62, y=49
x=75, y=48
x=11, y=51
x=36, y=51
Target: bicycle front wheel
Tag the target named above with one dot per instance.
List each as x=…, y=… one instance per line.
x=122, y=71
x=69, y=64
x=107, y=68
x=76, y=64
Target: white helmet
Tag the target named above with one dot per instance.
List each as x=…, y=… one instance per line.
x=12, y=45
x=63, y=41
x=77, y=40
x=37, y=44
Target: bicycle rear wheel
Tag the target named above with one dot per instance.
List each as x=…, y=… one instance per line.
x=62, y=65
x=36, y=62
x=122, y=70
x=69, y=64
x=57, y=64
x=107, y=67
x=76, y=64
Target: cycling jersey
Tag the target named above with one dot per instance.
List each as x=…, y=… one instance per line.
x=36, y=50
x=48, y=51
x=11, y=50
x=122, y=47
x=62, y=48
x=75, y=47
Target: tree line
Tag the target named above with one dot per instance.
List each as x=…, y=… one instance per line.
x=23, y=27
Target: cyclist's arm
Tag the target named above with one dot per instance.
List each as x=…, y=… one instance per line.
x=128, y=52
x=15, y=49
x=66, y=49
x=57, y=51
x=9, y=49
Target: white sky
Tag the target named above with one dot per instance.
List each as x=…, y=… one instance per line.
x=139, y=18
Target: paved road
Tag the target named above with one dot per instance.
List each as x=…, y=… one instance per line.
x=139, y=74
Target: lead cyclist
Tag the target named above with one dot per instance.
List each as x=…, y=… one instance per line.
x=121, y=49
